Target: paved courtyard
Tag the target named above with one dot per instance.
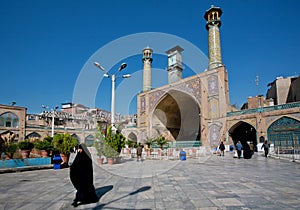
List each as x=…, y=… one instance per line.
x=211, y=182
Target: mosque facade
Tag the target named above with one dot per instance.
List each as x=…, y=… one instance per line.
x=197, y=108
x=193, y=109
x=187, y=109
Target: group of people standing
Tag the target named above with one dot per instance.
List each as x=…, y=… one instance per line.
x=248, y=149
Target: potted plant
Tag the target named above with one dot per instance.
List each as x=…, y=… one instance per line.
x=44, y=146
x=161, y=142
x=130, y=144
x=99, y=144
x=116, y=141
x=63, y=143
x=109, y=152
x=149, y=143
x=25, y=146
x=10, y=149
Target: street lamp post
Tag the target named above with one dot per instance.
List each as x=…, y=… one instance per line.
x=52, y=115
x=113, y=82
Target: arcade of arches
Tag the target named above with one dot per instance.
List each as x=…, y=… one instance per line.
x=282, y=132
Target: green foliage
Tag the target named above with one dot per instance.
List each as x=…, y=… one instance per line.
x=26, y=145
x=63, y=143
x=130, y=143
x=161, y=142
x=114, y=141
x=11, y=148
x=99, y=141
x=48, y=138
x=149, y=142
x=108, y=151
x=45, y=144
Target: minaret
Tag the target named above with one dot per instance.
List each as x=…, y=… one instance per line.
x=147, y=59
x=213, y=24
x=174, y=64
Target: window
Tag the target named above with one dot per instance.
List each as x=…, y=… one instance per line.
x=31, y=117
x=89, y=140
x=9, y=119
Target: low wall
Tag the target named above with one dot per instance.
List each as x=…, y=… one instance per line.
x=15, y=163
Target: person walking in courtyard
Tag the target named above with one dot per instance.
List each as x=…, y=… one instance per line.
x=81, y=175
x=239, y=148
x=251, y=146
x=266, y=147
x=222, y=148
x=139, y=151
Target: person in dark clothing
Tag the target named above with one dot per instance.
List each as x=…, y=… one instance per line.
x=222, y=148
x=247, y=151
x=251, y=146
x=81, y=175
x=266, y=147
x=139, y=151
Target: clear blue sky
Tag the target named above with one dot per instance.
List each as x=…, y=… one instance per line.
x=45, y=45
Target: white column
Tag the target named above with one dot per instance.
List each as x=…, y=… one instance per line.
x=52, y=131
x=113, y=79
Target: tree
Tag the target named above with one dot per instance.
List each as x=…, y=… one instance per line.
x=99, y=141
x=10, y=149
x=26, y=145
x=115, y=141
x=63, y=143
x=45, y=144
x=149, y=142
x=161, y=142
x=130, y=143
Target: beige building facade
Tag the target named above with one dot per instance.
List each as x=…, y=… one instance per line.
x=193, y=108
x=12, y=123
x=198, y=108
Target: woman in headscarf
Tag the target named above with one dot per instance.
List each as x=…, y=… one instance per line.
x=81, y=175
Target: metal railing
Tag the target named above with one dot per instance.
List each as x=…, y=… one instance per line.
x=169, y=153
x=285, y=152
x=264, y=109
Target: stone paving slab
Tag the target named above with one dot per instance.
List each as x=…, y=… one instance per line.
x=208, y=183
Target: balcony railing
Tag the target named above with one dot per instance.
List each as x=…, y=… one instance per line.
x=264, y=109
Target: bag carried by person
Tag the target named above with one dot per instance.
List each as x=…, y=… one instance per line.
x=72, y=157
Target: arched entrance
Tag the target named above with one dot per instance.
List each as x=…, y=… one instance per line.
x=132, y=137
x=245, y=133
x=176, y=117
x=33, y=136
x=284, y=133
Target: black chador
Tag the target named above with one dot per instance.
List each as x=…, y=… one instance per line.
x=81, y=175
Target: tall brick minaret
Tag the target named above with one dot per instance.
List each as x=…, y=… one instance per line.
x=213, y=24
x=147, y=73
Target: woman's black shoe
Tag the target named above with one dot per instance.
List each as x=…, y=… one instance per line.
x=75, y=204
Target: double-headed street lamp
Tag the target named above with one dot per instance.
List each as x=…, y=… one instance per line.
x=52, y=115
x=113, y=81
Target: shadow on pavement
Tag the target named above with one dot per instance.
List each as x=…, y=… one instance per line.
x=101, y=206
x=102, y=190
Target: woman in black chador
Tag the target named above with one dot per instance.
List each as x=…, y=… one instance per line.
x=81, y=175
